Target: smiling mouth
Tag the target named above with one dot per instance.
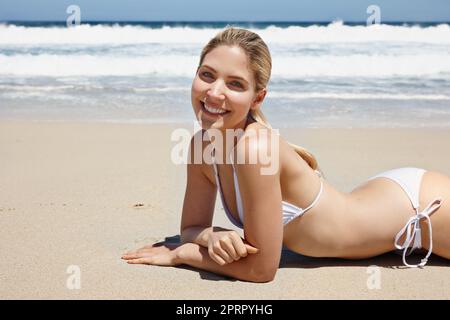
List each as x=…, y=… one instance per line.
x=213, y=111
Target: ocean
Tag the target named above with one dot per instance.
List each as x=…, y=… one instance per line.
x=325, y=75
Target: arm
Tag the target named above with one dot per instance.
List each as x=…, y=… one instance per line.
x=194, y=234
x=199, y=235
x=199, y=200
x=247, y=269
x=263, y=226
x=261, y=198
x=263, y=229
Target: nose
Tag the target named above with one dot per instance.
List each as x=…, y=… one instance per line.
x=215, y=92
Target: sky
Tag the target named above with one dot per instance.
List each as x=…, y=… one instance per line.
x=229, y=10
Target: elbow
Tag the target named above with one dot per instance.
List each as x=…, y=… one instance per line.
x=263, y=276
x=262, y=269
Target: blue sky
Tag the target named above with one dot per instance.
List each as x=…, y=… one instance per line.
x=229, y=10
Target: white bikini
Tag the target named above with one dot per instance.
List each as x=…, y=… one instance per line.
x=290, y=211
x=409, y=179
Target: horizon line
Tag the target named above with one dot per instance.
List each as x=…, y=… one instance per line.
x=239, y=21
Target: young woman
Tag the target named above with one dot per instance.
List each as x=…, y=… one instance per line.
x=295, y=206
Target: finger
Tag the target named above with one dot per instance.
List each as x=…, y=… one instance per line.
x=218, y=251
x=216, y=257
x=144, y=248
x=251, y=249
x=219, y=259
x=222, y=253
x=228, y=246
x=137, y=255
x=240, y=247
x=136, y=251
x=139, y=261
x=130, y=256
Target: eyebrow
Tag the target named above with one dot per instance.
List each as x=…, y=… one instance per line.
x=234, y=77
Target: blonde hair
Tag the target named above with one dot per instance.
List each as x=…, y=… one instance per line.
x=260, y=64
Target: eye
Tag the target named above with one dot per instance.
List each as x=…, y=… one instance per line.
x=206, y=74
x=237, y=84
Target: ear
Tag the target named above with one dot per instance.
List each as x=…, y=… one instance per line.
x=259, y=99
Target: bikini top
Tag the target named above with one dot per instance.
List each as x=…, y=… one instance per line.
x=290, y=211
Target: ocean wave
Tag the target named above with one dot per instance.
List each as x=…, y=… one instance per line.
x=26, y=91
x=357, y=96
x=293, y=67
x=88, y=65
x=11, y=34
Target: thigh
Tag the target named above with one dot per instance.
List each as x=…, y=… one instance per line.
x=436, y=185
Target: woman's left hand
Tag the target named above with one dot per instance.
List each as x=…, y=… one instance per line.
x=160, y=254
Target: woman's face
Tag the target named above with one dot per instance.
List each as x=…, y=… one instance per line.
x=224, y=85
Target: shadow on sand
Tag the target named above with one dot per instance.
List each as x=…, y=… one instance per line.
x=290, y=259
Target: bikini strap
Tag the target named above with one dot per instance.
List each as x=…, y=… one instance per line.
x=213, y=158
x=319, y=173
x=318, y=194
x=412, y=232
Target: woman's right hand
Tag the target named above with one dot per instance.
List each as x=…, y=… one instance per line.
x=226, y=246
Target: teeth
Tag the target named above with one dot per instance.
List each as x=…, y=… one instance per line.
x=214, y=110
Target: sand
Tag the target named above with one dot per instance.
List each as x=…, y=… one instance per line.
x=68, y=196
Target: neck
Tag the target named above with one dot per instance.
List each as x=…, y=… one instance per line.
x=226, y=145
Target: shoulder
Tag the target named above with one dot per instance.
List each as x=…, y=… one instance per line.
x=258, y=150
x=270, y=149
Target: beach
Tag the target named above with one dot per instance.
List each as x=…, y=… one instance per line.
x=82, y=193
x=86, y=118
